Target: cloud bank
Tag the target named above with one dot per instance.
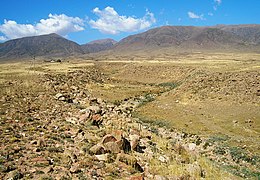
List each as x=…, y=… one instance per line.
x=110, y=22
x=59, y=24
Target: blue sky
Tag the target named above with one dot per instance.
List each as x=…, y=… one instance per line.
x=86, y=20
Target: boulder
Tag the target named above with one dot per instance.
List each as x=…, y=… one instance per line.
x=112, y=147
x=138, y=177
x=96, y=120
x=75, y=168
x=129, y=160
x=58, y=96
x=97, y=149
x=71, y=120
x=118, y=134
x=126, y=145
x=191, y=146
x=84, y=117
x=95, y=109
x=102, y=157
x=108, y=138
x=158, y=177
x=134, y=140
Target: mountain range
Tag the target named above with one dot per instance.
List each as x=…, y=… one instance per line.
x=184, y=38
x=181, y=38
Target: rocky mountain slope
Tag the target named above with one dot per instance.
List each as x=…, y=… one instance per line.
x=190, y=37
x=44, y=45
x=98, y=45
x=249, y=33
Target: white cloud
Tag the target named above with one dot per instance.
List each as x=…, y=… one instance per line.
x=110, y=22
x=192, y=15
x=210, y=14
x=2, y=38
x=60, y=24
x=217, y=3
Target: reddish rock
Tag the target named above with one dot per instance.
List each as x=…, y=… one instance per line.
x=117, y=134
x=96, y=117
x=112, y=147
x=108, y=138
x=139, y=177
x=84, y=117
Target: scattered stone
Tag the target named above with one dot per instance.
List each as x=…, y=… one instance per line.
x=84, y=117
x=129, y=160
x=75, y=168
x=58, y=96
x=102, y=157
x=14, y=175
x=249, y=121
x=118, y=134
x=139, y=177
x=95, y=109
x=158, y=177
x=112, y=147
x=235, y=121
x=134, y=140
x=71, y=120
x=41, y=142
x=163, y=159
x=97, y=149
x=192, y=146
x=108, y=138
x=194, y=169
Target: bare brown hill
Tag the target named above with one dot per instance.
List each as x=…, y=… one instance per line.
x=44, y=45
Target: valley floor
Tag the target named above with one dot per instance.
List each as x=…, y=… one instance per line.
x=181, y=116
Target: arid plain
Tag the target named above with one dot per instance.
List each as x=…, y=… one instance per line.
x=196, y=115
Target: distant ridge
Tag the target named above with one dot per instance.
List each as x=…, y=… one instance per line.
x=176, y=38
x=98, y=45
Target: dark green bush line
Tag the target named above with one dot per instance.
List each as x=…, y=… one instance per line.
x=170, y=85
